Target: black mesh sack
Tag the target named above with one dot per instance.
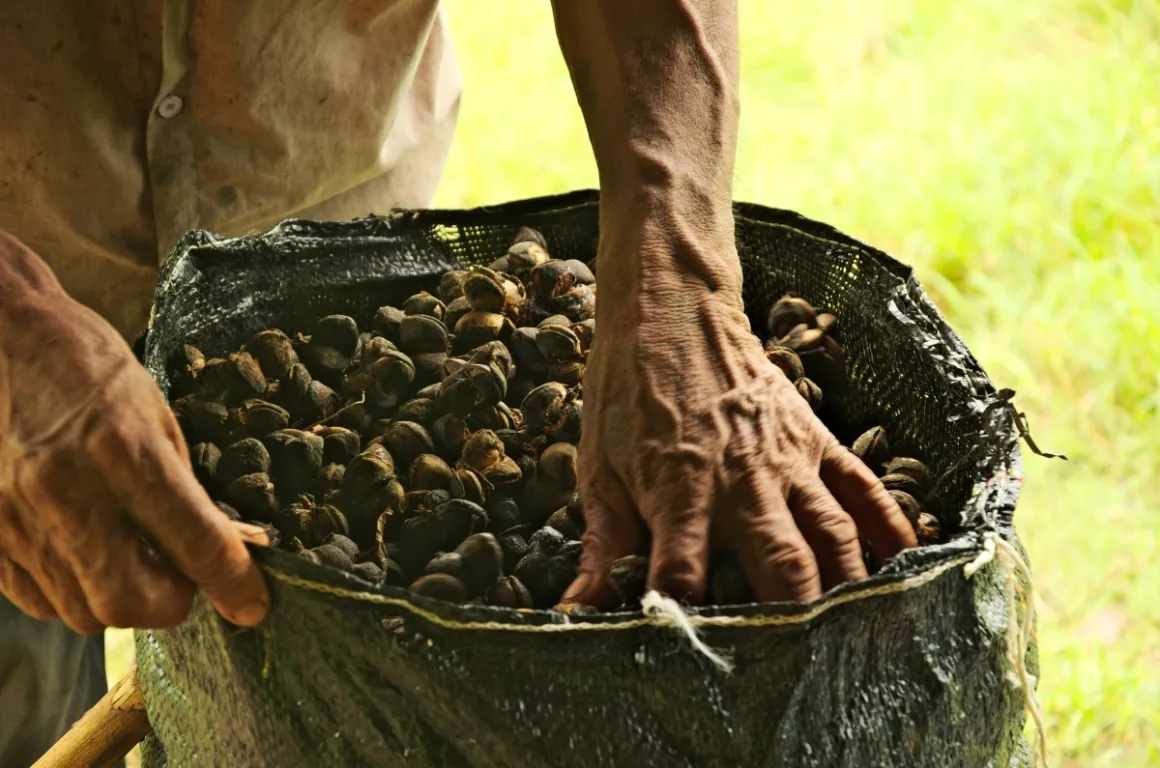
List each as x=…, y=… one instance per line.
x=916, y=666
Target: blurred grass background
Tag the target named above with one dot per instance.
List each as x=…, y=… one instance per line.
x=1011, y=153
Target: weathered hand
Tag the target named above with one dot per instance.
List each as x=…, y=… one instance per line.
x=91, y=458
x=688, y=428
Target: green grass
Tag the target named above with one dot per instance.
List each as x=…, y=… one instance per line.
x=1011, y=153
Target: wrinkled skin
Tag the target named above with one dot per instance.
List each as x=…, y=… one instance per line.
x=91, y=461
x=688, y=428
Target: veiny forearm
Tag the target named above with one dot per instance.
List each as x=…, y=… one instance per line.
x=657, y=81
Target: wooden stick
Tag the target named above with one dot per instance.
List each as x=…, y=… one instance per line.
x=106, y=733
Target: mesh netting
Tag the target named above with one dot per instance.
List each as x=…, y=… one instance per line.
x=907, y=668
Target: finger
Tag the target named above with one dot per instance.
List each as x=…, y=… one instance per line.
x=59, y=584
x=173, y=431
x=122, y=583
x=252, y=534
x=611, y=531
x=19, y=587
x=168, y=504
x=132, y=588
x=861, y=494
x=677, y=508
x=776, y=557
x=830, y=532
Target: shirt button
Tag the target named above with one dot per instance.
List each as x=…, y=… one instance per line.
x=170, y=106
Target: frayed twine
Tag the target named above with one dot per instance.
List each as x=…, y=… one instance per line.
x=669, y=611
x=1018, y=633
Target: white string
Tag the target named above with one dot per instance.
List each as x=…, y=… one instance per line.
x=986, y=556
x=1018, y=633
x=668, y=611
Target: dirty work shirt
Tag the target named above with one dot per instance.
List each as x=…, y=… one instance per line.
x=128, y=122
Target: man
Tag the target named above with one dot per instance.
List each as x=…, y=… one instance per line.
x=128, y=122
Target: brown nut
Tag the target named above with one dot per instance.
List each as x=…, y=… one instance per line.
x=811, y=392
x=628, y=577
x=577, y=304
x=523, y=257
x=913, y=468
x=332, y=557
x=544, y=407
x=826, y=323
x=728, y=584
x=585, y=331
x=872, y=448
x=510, y=593
x=449, y=432
x=788, y=312
x=482, y=563
x=429, y=473
x=440, y=586
x=338, y=332
x=456, y=309
x=245, y=457
x=899, y=482
x=451, y=285
x=205, y=458
x=253, y=497
x=496, y=356
x=787, y=360
x=530, y=235
x=387, y=322
x=420, y=410
x=558, y=344
x=204, y=421
x=571, y=527
x=326, y=364
x=339, y=444
x=482, y=451
x=184, y=366
x=274, y=352
x=473, y=485
x=423, y=303
x=429, y=367
x=908, y=504
x=478, y=328
x=471, y=387
x=249, y=381
x=369, y=572
x=406, y=440
x=558, y=465
x=927, y=529
x=802, y=339
x=420, y=333
x=490, y=291
x=257, y=418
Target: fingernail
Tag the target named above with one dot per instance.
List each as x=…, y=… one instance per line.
x=252, y=614
x=578, y=588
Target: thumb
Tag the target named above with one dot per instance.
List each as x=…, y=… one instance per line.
x=166, y=501
x=611, y=531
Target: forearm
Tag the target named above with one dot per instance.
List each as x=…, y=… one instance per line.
x=657, y=81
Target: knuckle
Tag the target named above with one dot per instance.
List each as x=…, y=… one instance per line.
x=794, y=562
x=218, y=562
x=836, y=529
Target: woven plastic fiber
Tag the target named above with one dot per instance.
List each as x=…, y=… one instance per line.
x=908, y=668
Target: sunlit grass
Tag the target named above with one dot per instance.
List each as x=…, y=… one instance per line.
x=1011, y=153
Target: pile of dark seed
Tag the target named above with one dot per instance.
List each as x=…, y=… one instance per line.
x=436, y=449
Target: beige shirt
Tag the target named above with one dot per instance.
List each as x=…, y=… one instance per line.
x=126, y=123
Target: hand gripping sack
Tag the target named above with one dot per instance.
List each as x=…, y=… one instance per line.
x=915, y=666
